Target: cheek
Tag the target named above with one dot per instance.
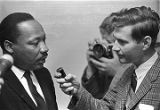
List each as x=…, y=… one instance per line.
x=133, y=53
x=127, y=50
x=27, y=55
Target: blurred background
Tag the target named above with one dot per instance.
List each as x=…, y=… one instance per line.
x=69, y=25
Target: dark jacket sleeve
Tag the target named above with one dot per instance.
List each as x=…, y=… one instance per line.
x=97, y=85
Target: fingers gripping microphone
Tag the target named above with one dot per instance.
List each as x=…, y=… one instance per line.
x=6, y=61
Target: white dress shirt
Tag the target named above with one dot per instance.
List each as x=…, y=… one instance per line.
x=20, y=75
x=142, y=70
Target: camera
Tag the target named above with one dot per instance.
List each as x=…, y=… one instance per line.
x=101, y=50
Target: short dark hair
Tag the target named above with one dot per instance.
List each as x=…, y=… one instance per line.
x=145, y=21
x=8, y=26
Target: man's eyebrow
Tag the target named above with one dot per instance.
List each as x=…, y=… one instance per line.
x=119, y=39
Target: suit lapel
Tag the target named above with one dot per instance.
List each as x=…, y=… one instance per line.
x=45, y=81
x=144, y=88
x=124, y=95
x=17, y=87
x=146, y=84
x=124, y=87
x=40, y=75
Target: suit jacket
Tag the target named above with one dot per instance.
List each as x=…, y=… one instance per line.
x=14, y=97
x=148, y=93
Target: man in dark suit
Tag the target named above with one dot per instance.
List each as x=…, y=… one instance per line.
x=28, y=84
x=139, y=87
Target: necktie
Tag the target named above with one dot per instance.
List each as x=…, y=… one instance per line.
x=133, y=81
x=41, y=105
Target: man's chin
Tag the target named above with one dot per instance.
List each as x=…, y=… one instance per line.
x=37, y=67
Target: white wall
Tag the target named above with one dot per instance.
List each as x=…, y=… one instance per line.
x=69, y=25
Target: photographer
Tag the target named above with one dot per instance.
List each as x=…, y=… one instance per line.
x=103, y=63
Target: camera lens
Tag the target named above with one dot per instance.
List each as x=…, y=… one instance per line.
x=99, y=50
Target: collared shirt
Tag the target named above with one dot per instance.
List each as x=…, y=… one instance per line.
x=142, y=70
x=20, y=75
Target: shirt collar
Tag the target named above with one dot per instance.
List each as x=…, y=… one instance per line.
x=18, y=72
x=144, y=68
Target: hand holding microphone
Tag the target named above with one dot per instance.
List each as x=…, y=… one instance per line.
x=6, y=61
x=68, y=82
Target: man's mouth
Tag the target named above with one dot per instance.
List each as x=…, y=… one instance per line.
x=43, y=59
x=120, y=56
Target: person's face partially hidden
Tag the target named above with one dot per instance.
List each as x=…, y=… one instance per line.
x=128, y=50
x=108, y=38
x=30, y=50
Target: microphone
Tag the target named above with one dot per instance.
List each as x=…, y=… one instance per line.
x=6, y=61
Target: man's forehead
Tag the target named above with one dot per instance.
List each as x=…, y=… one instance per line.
x=123, y=35
x=123, y=30
x=27, y=23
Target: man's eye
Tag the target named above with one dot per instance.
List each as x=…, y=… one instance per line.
x=121, y=42
x=34, y=43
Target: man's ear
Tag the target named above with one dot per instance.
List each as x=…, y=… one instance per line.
x=147, y=42
x=8, y=46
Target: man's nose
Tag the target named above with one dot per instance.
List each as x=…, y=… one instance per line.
x=115, y=46
x=44, y=47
